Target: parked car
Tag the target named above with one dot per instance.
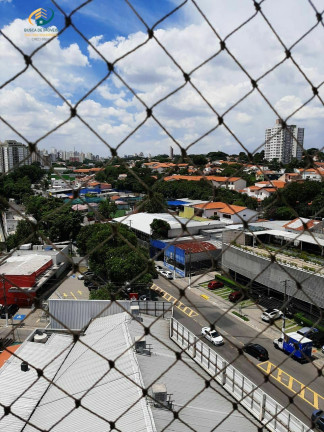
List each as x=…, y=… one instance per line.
x=93, y=287
x=309, y=332
x=82, y=276
x=314, y=334
x=167, y=274
x=318, y=419
x=158, y=268
x=236, y=296
x=257, y=351
x=215, y=284
x=271, y=315
x=11, y=310
x=212, y=335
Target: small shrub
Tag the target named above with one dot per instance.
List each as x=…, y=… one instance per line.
x=243, y=317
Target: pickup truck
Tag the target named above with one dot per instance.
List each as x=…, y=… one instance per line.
x=299, y=346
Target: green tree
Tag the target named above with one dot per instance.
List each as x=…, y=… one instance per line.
x=258, y=158
x=112, y=255
x=160, y=228
x=154, y=203
x=199, y=159
x=26, y=232
x=107, y=209
x=105, y=293
x=62, y=225
x=219, y=155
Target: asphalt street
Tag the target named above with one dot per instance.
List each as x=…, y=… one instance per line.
x=292, y=380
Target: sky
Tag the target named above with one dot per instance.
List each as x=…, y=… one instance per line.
x=148, y=72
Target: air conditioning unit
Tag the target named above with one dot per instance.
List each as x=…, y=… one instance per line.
x=160, y=395
x=135, y=311
x=140, y=344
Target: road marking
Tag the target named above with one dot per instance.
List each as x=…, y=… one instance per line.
x=307, y=394
x=80, y=292
x=65, y=295
x=177, y=303
x=204, y=296
x=72, y=294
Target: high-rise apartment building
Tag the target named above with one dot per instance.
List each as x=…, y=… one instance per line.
x=284, y=144
x=12, y=155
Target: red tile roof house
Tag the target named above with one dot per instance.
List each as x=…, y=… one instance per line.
x=264, y=189
x=226, y=212
x=300, y=224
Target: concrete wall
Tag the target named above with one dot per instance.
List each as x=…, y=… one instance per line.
x=272, y=275
x=236, y=236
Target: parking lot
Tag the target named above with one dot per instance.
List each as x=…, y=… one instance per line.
x=72, y=288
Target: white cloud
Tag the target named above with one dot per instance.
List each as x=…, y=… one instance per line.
x=60, y=65
x=113, y=111
x=290, y=103
x=242, y=117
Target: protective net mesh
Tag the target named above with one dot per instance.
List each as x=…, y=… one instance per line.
x=171, y=271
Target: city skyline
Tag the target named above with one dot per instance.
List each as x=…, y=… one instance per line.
x=114, y=112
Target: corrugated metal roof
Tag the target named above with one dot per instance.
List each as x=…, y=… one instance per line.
x=196, y=247
x=142, y=221
x=107, y=394
x=15, y=384
x=76, y=314
x=200, y=407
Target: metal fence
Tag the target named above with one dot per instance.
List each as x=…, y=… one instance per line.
x=286, y=270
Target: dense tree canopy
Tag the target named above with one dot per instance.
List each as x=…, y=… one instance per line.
x=160, y=228
x=303, y=199
x=107, y=209
x=25, y=233
x=56, y=221
x=138, y=180
x=114, y=255
x=17, y=184
x=153, y=203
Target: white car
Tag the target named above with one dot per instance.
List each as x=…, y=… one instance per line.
x=271, y=315
x=87, y=274
x=167, y=274
x=212, y=335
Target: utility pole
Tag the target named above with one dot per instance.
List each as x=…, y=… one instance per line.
x=284, y=307
x=189, y=286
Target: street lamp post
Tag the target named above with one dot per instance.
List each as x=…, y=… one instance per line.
x=189, y=286
x=284, y=308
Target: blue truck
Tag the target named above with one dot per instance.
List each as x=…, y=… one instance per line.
x=296, y=345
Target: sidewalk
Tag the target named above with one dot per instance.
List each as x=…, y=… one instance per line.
x=253, y=313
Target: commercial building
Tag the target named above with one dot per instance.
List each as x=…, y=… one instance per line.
x=295, y=272
x=284, y=144
x=187, y=257
x=12, y=155
x=29, y=271
x=140, y=223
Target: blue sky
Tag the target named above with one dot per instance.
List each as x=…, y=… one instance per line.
x=114, y=113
